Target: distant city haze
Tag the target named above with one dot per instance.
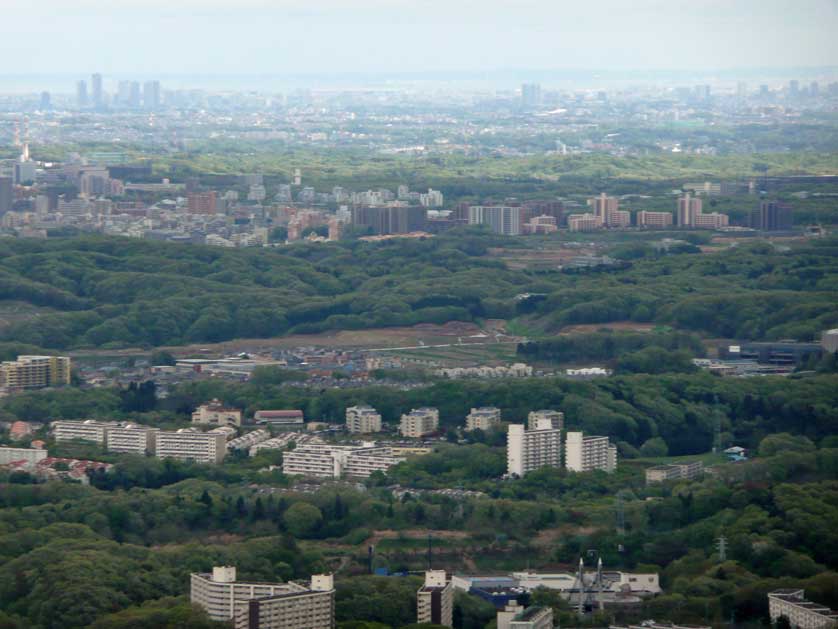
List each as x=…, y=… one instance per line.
x=358, y=37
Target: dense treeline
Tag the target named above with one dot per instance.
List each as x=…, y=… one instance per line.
x=110, y=292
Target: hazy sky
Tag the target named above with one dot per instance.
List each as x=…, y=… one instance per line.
x=314, y=36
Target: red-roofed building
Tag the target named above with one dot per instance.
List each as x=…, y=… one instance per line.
x=19, y=430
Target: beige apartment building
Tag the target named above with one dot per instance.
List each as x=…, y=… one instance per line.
x=801, y=614
x=87, y=430
x=419, y=422
x=215, y=413
x=362, y=419
x=674, y=471
x=658, y=220
x=556, y=418
x=435, y=600
x=585, y=454
x=34, y=372
x=187, y=444
x=528, y=450
x=484, y=418
x=131, y=438
x=306, y=608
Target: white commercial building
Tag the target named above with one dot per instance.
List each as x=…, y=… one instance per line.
x=189, y=445
x=585, y=454
x=528, y=450
x=484, y=418
x=362, y=419
x=801, y=614
x=419, y=422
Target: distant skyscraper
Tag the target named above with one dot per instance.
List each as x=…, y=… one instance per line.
x=530, y=94
x=763, y=91
x=151, y=94
x=814, y=89
x=134, y=97
x=794, y=88
x=81, y=93
x=688, y=209
x=96, y=88
x=46, y=101
x=741, y=89
x=6, y=194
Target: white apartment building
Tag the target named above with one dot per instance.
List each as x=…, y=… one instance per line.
x=801, y=614
x=514, y=616
x=674, y=471
x=189, y=445
x=282, y=441
x=215, y=413
x=87, y=430
x=584, y=454
x=419, y=422
x=279, y=418
x=528, y=450
x=250, y=439
x=500, y=219
x=556, y=418
x=362, y=419
x=332, y=461
x=484, y=418
x=30, y=455
x=131, y=438
x=435, y=600
x=311, y=607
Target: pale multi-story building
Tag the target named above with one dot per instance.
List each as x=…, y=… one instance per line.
x=30, y=455
x=131, y=438
x=215, y=413
x=604, y=207
x=362, y=419
x=514, y=616
x=34, y=372
x=688, y=209
x=658, y=220
x=674, y=471
x=279, y=418
x=500, y=219
x=801, y=614
x=333, y=461
x=528, y=450
x=435, y=600
x=419, y=422
x=189, y=445
x=588, y=453
x=714, y=220
x=484, y=418
x=311, y=607
x=245, y=442
x=584, y=222
x=556, y=418
x=87, y=430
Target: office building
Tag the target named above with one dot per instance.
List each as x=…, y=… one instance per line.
x=384, y=220
x=792, y=605
x=362, y=419
x=34, y=372
x=279, y=418
x=772, y=216
x=13, y=455
x=215, y=413
x=556, y=419
x=655, y=220
x=130, y=438
x=187, y=444
x=674, y=471
x=528, y=450
x=514, y=616
x=500, y=219
x=96, y=90
x=484, y=418
x=435, y=600
x=7, y=195
x=714, y=220
x=311, y=607
x=688, y=208
x=584, y=222
x=588, y=453
x=320, y=460
x=531, y=94
x=151, y=94
x=419, y=422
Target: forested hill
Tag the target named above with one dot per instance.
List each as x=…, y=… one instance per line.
x=110, y=292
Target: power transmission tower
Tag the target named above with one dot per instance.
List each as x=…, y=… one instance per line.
x=721, y=545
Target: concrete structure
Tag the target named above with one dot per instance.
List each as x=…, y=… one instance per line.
x=12, y=455
x=772, y=216
x=614, y=582
x=34, y=372
x=500, y=219
x=362, y=419
x=245, y=442
x=435, y=600
x=514, y=616
x=606, y=209
x=528, y=450
x=801, y=614
x=585, y=454
x=215, y=413
x=189, y=445
x=320, y=460
x=829, y=341
x=87, y=430
x=584, y=222
x=311, y=607
x=674, y=471
x=279, y=418
x=651, y=624
x=657, y=220
x=688, y=209
x=556, y=418
x=484, y=418
x=419, y=422
x=131, y=438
